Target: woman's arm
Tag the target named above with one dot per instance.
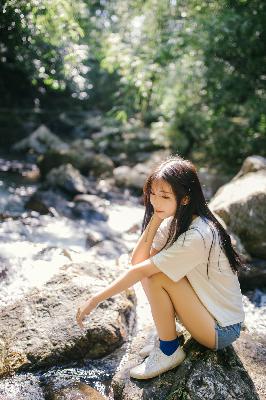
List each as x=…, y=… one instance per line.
x=142, y=249
x=123, y=282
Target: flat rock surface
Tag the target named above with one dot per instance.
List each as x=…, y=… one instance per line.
x=204, y=374
x=41, y=329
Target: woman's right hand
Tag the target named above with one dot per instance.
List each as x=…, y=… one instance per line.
x=156, y=218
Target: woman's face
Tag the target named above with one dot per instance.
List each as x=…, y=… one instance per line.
x=163, y=199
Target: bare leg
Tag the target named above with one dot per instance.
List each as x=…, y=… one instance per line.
x=162, y=292
x=163, y=311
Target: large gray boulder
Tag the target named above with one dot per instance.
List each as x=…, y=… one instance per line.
x=101, y=165
x=131, y=177
x=136, y=176
x=40, y=330
x=79, y=154
x=241, y=203
x=82, y=155
x=68, y=178
x=40, y=141
x=49, y=201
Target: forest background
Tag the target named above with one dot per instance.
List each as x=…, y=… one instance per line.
x=192, y=72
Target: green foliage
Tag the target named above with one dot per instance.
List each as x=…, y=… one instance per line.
x=39, y=44
x=194, y=72
x=234, y=56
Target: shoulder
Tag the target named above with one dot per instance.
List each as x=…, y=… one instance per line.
x=200, y=230
x=204, y=228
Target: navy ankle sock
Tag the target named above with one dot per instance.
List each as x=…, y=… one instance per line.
x=168, y=347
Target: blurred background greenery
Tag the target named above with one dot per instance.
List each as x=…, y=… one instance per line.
x=193, y=73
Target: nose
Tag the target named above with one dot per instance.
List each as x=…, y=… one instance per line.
x=156, y=203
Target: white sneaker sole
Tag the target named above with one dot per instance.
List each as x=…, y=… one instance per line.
x=160, y=371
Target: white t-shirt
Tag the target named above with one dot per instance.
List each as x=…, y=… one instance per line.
x=188, y=256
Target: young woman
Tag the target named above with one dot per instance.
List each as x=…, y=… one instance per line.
x=187, y=266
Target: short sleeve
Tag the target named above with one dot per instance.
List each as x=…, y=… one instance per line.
x=182, y=256
x=161, y=235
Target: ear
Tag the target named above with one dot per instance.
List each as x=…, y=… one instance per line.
x=185, y=200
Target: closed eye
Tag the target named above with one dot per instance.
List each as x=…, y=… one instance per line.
x=164, y=197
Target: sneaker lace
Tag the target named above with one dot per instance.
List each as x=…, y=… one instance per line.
x=153, y=357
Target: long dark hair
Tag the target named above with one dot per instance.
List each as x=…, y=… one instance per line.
x=182, y=176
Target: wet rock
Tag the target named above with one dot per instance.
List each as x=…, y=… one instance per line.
x=79, y=391
x=88, y=212
x=40, y=330
x=101, y=165
x=49, y=202
x=241, y=203
x=39, y=142
x=54, y=202
x=132, y=177
x=21, y=387
x=94, y=238
x=4, y=267
x=90, y=206
x=68, y=178
x=92, y=199
x=79, y=157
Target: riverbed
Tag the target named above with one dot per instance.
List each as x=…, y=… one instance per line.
x=33, y=248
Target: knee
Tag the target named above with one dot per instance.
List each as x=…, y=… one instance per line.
x=156, y=279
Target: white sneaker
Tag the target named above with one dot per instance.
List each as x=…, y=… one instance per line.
x=157, y=363
x=145, y=351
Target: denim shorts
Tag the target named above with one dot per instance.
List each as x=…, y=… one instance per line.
x=225, y=335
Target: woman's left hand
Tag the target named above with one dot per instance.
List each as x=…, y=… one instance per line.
x=84, y=310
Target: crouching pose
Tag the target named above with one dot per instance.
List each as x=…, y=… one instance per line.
x=187, y=266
